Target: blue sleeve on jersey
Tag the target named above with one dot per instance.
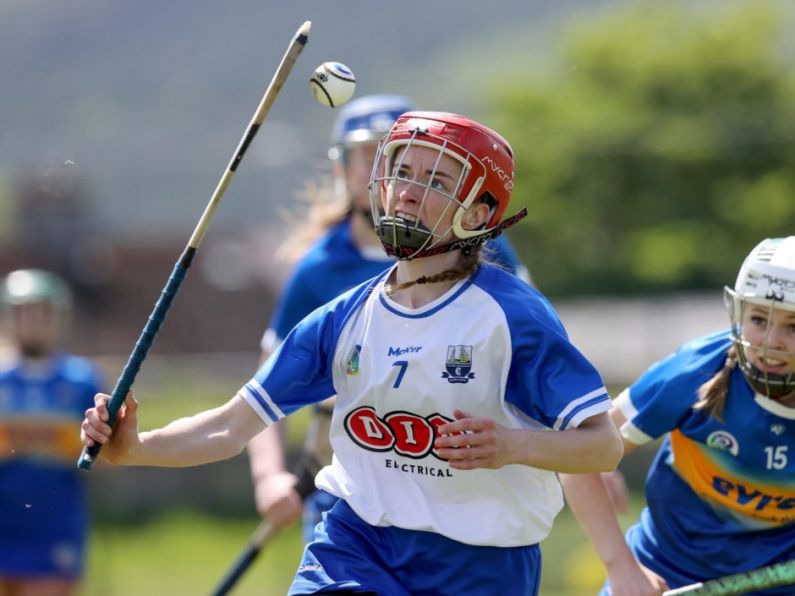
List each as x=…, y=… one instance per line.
x=300, y=372
x=549, y=379
x=664, y=395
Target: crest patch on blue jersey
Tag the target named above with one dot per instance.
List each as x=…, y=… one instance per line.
x=720, y=439
x=352, y=368
x=458, y=365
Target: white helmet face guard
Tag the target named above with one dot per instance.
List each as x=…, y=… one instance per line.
x=409, y=239
x=767, y=280
x=771, y=385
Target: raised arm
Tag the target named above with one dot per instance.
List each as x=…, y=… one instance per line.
x=206, y=437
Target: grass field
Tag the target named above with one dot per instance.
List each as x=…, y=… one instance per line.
x=188, y=553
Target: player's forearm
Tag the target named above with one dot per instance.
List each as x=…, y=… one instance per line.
x=207, y=437
x=595, y=446
x=590, y=502
x=266, y=453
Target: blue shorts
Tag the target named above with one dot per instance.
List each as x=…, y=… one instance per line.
x=348, y=554
x=27, y=554
x=43, y=519
x=315, y=506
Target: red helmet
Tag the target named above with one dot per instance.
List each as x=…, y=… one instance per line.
x=487, y=160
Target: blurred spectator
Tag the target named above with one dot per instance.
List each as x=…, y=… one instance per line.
x=43, y=393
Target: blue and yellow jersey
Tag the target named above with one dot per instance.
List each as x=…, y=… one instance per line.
x=42, y=500
x=720, y=494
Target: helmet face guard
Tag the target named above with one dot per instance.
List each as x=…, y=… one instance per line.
x=486, y=176
x=772, y=385
x=766, y=282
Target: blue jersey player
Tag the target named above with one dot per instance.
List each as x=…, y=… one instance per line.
x=721, y=491
x=337, y=249
x=43, y=395
x=458, y=393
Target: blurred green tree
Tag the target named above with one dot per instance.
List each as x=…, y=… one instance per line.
x=657, y=151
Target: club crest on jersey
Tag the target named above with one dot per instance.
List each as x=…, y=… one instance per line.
x=724, y=441
x=777, y=429
x=352, y=367
x=458, y=365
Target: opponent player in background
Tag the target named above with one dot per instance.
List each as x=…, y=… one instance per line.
x=336, y=248
x=721, y=491
x=458, y=392
x=43, y=395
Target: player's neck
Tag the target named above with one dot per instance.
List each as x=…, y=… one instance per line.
x=419, y=295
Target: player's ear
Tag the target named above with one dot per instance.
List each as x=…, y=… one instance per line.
x=475, y=216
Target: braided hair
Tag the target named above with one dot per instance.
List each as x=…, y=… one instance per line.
x=470, y=260
x=712, y=394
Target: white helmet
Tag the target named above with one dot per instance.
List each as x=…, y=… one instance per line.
x=766, y=278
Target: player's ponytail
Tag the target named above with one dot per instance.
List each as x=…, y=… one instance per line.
x=326, y=207
x=712, y=394
x=466, y=266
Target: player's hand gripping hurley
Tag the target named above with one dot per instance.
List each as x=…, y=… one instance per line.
x=147, y=337
x=265, y=530
x=772, y=576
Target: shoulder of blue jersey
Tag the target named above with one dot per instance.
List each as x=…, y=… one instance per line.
x=701, y=351
x=689, y=366
x=506, y=287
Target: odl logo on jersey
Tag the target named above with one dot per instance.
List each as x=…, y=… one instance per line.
x=404, y=433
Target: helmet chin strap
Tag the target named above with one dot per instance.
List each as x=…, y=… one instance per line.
x=403, y=240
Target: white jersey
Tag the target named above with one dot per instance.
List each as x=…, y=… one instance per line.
x=491, y=346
